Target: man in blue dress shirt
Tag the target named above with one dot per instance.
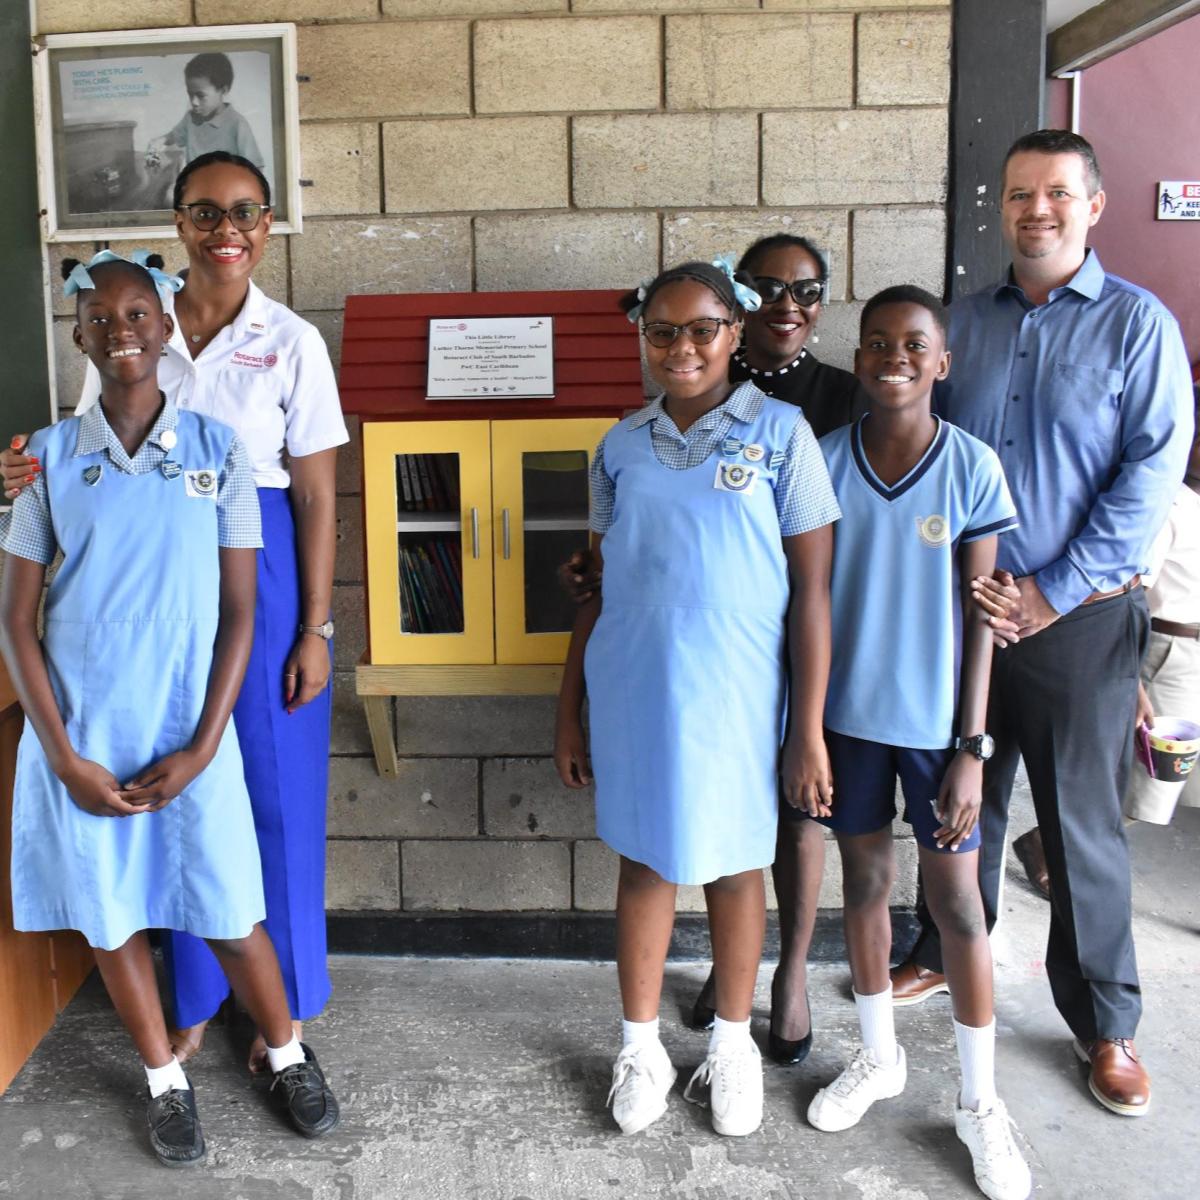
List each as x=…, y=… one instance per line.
x=1080, y=382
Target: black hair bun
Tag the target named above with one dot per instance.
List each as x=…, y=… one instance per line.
x=156, y=261
x=68, y=265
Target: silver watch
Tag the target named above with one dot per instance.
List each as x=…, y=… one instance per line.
x=980, y=745
x=323, y=631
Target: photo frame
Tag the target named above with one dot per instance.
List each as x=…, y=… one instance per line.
x=119, y=114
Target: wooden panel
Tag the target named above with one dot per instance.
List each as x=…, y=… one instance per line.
x=26, y=983
x=372, y=680
x=597, y=358
x=1114, y=25
x=511, y=441
x=469, y=442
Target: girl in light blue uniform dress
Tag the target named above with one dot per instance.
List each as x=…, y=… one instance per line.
x=711, y=513
x=130, y=807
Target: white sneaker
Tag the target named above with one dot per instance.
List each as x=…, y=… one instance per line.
x=733, y=1074
x=641, y=1080
x=1000, y=1170
x=864, y=1081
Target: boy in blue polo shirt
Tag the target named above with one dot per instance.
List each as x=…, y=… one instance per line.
x=922, y=504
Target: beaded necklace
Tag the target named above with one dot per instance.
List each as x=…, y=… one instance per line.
x=739, y=357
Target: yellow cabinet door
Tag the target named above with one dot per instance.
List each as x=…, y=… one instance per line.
x=429, y=541
x=540, y=511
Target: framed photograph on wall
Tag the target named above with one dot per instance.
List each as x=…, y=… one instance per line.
x=120, y=114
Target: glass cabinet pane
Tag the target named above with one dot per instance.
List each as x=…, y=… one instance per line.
x=554, y=486
x=429, y=534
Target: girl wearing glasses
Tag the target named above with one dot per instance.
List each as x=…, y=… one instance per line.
x=791, y=276
x=712, y=511
x=238, y=356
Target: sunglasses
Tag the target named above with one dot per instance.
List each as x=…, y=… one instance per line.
x=243, y=217
x=700, y=332
x=805, y=292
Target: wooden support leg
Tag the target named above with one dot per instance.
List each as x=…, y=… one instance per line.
x=383, y=741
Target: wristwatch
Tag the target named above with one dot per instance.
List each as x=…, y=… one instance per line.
x=322, y=631
x=981, y=745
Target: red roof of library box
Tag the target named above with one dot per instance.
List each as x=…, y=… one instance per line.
x=597, y=360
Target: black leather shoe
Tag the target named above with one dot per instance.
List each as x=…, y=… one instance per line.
x=703, y=1013
x=175, y=1133
x=311, y=1107
x=787, y=1053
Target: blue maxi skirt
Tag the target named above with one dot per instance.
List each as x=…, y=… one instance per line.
x=286, y=761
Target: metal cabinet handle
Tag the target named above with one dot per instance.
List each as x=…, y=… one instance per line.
x=507, y=524
x=474, y=533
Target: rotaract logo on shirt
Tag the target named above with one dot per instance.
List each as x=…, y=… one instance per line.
x=933, y=531
x=260, y=362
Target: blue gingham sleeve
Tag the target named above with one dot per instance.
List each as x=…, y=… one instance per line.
x=602, y=492
x=239, y=522
x=804, y=496
x=30, y=530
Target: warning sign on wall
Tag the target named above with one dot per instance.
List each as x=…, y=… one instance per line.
x=1178, y=200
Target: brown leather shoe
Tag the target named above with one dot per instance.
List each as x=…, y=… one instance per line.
x=1028, y=849
x=1117, y=1078
x=911, y=984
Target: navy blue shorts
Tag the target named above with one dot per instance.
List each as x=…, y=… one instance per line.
x=864, y=788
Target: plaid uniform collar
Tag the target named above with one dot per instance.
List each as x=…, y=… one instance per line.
x=95, y=434
x=744, y=404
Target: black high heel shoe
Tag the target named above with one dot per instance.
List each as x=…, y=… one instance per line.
x=788, y=1053
x=703, y=1013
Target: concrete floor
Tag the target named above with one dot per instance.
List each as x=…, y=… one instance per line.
x=486, y=1079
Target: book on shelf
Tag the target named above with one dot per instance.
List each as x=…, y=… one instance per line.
x=431, y=585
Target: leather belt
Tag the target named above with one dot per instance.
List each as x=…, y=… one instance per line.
x=1174, y=628
x=1096, y=597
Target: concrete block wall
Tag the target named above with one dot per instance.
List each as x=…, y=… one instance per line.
x=451, y=145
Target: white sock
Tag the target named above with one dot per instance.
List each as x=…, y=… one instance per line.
x=977, y=1058
x=162, y=1079
x=285, y=1056
x=878, y=1026
x=728, y=1031
x=634, y=1033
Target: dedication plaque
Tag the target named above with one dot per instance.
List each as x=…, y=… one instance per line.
x=474, y=357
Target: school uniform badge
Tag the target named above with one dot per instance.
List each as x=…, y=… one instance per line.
x=775, y=459
x=733, y=477
x=201, y=484
x=753, y=452
x=731, y=447
x=170, y=469
x=92, y=474
x=934, y=531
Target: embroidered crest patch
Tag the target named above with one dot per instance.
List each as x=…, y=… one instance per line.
x=201, y=484
x=733, y=477
x=933, y=531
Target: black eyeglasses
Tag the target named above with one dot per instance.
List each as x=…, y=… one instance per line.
x=244, y=217
x=805, y=292
x=699, y=332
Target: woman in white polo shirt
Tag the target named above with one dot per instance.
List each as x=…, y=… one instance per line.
x=244, y=359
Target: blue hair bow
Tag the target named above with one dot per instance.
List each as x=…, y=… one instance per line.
x=747, y=297
x=80, y=277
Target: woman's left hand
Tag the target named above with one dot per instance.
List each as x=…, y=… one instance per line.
x=306, y=671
